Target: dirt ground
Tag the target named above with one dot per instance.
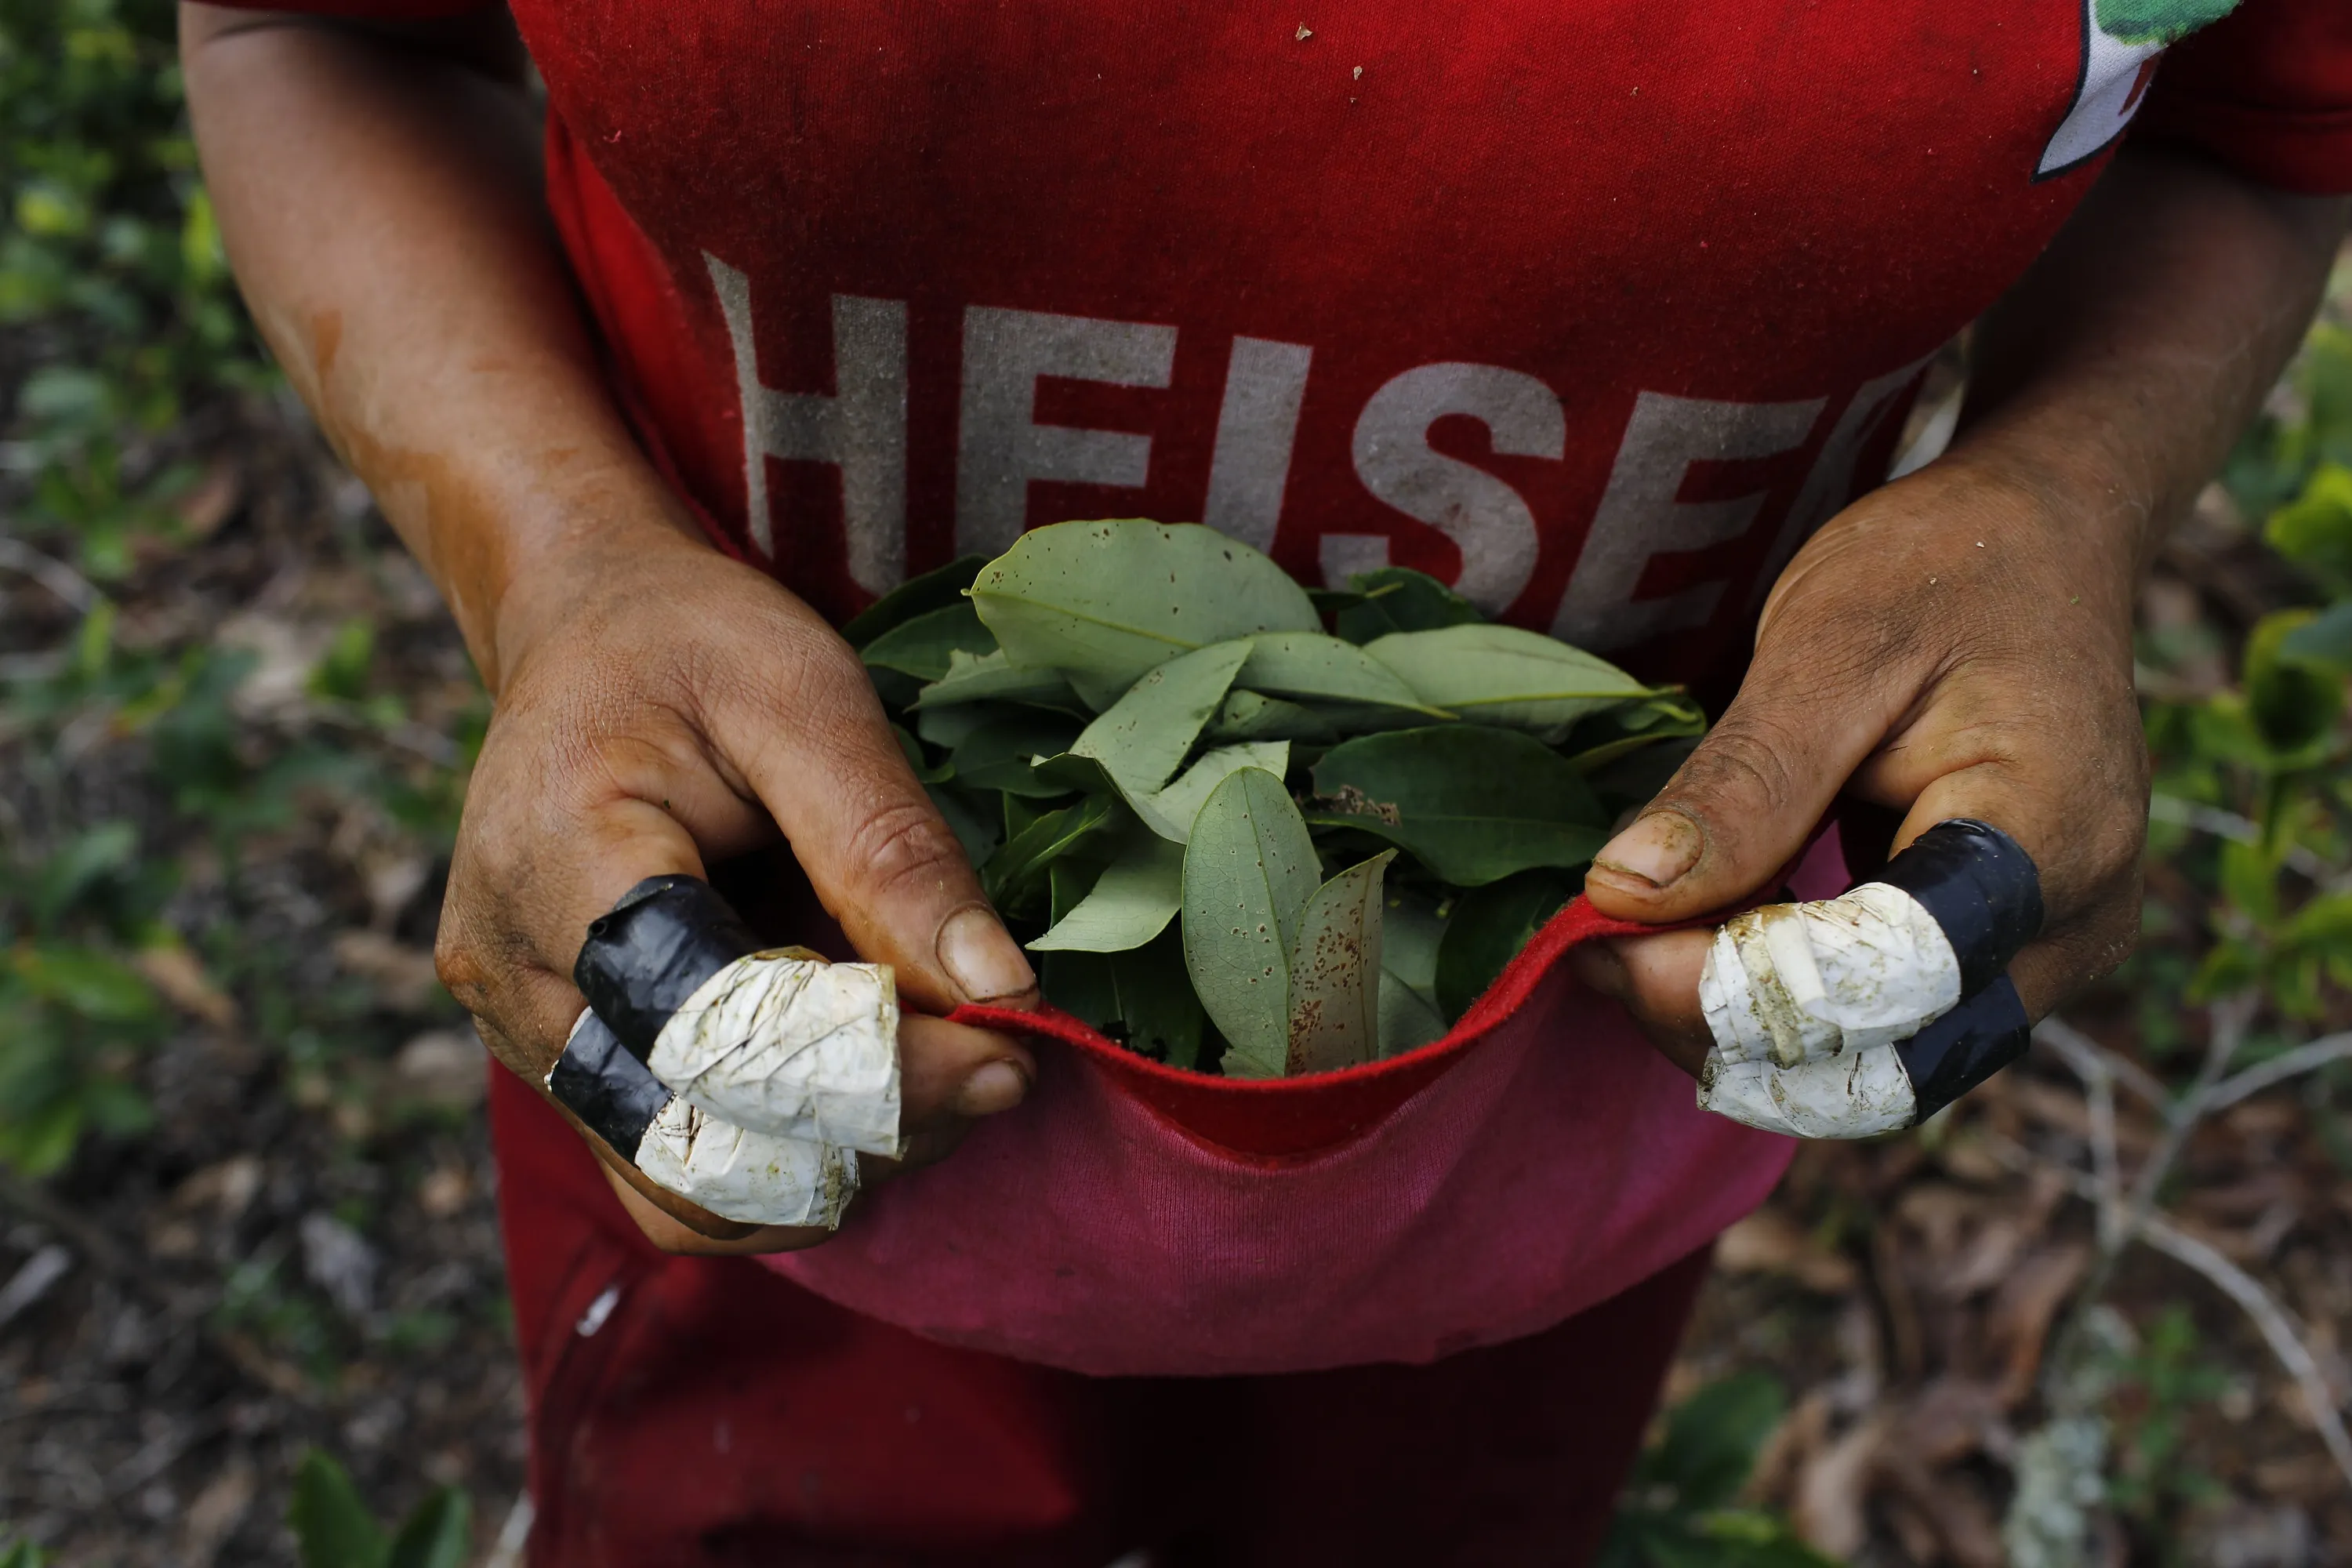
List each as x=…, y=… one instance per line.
x=303, y=1249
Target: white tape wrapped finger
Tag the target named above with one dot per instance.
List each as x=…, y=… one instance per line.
x=752, y=1178
x=1864, y=1013
x=792, y=1048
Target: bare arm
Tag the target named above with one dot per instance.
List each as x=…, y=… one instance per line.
x=657, y=704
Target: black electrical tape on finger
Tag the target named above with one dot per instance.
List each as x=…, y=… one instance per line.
x=652, y=951
x=1965, y=1047
x=613, y=1094
x=1980, y=886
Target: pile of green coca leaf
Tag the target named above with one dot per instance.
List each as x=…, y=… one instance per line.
x=1238, y=840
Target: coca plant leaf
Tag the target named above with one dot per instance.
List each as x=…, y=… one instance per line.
x=1014, y=877
x=1399, y=599
x=934, y=590
x=973, y=828
x=1253, y=716
x=996, y=754
x=1335, y=972
x=1130, y=903
x=925, y=646
x=1472, y=803
x=993, y=678
x=1143, y=736
x=1489, y=927
x=1249, y=872
x=926, y=771
x=1503, y=675
x=1172, y=811
x=1409, y=1020
x=1114, y=599
x=1310, y=664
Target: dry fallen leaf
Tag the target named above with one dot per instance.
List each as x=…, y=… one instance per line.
x=1830, y=1506
x=2021, y=1313
x=403, y=975
x=180, y=975
x=1769, y=1242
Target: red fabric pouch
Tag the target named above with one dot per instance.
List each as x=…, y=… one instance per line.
x=1133, y=1219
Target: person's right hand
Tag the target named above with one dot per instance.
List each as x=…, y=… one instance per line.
x=659, y=706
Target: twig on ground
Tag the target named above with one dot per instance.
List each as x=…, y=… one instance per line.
x=513, y=1536
x=2278, y=1069
x=55, y=575
x=2086, y=1056
x=2285, y=1339
x=2278, y=1328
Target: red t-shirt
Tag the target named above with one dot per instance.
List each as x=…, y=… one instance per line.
x=1593, y=309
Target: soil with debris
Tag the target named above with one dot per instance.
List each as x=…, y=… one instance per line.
x=303, y=1251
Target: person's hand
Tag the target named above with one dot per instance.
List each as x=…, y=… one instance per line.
x=1956, y=644
x=661, y=705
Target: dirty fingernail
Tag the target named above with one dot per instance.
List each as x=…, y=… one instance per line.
x=981, y=956
x=996, y=1086
x=1657, y=850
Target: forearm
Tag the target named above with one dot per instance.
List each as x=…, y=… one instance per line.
x=380, y=200
x=2112, y=379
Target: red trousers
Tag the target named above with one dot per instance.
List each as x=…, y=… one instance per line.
x=688, y=1412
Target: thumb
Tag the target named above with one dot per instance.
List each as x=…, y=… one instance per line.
x=883, y=861
x=1742, y=805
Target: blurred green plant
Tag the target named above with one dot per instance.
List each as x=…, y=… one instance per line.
x=2154, y=1479
x=335, y=1528
x=111, y=269
x=23, y=1555
x=1681, y=1509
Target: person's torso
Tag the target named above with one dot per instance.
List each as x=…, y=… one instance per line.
x=1592, y=308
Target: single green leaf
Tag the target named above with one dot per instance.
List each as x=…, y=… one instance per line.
x=925, y=646
x=1131, y=902
x=933, y=590
x=992, y=678
x=439, y=1534
x=1014, y=877
x=1311, y=665
x=1097, y=691
x=1409, y=1020
x=950, y=725
x=1503, y=675
x=2325, y=640
x=1489, y=926
x=1712, y=1439
x=331, y=1525
x=2294, y=703
x=996, y=756
x=1249, y=871
x=1335, y=972
x=87, y=860
x=1412, y=927
x=1172, y=811
x=1399, y=599
x=1145, y=735
x=1253, y=716
x=90, y=983
x=1470, y=802
x=1116, y=598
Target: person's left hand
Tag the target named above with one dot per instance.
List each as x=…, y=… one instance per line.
x=1955, y=644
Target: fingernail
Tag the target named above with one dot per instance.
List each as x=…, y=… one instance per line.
x=996, y=1086
x=981, y=956
x=1657, y=850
